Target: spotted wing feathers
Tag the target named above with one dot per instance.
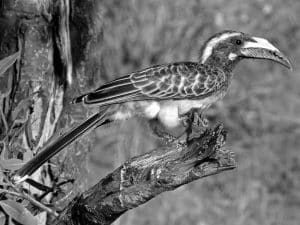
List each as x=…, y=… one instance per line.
x=178, y=81
x=172, y=81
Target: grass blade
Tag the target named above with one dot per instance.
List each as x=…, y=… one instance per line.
x=8, y=62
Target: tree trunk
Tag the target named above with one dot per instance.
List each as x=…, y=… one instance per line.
x=59, y=43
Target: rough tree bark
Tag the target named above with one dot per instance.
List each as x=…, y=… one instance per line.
x=144, y=177
x=41, y=30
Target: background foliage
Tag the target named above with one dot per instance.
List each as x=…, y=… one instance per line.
x=261, y=110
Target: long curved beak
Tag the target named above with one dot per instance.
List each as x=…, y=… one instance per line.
x=260, y=48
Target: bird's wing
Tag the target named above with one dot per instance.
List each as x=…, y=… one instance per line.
x=184, y=80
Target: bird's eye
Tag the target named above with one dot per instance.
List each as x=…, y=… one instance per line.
x=238, y=42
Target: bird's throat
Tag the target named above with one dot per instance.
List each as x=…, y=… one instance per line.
x=224, y=63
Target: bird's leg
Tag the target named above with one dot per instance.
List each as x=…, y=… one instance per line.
x=199, y=119
x=194, y=123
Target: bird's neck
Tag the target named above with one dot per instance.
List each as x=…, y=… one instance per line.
x=225, y=65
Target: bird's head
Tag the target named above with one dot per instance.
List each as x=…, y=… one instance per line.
x=229, y=47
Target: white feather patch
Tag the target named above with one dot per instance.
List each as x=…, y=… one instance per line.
x=232, y=56
x=152, y=110
x=169, y=116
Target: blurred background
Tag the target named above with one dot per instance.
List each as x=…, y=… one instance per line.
x=261, y=111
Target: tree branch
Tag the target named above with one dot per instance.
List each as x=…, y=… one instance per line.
x=144, y=177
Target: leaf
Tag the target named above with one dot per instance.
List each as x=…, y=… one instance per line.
x=1, y=175
x=8, y=62
x=27, y=155
x=41, y=218
x=18, y=212
x=2, y=218
x=22, y=105
x=2, y=180
x=11, y=164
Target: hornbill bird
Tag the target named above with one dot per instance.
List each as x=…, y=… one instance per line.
x=165, y=92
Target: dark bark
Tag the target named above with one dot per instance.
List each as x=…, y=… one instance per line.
x=50, y=42
x=144, y=177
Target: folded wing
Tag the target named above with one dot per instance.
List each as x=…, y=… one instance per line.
x=184, y=80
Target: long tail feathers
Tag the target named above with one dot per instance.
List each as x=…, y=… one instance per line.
x=55, y=147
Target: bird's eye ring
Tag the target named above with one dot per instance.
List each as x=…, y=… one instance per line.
x=238, y=42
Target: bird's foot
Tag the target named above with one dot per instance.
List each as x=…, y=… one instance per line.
x=194, y=118
x=200, y=120
x=195, y=123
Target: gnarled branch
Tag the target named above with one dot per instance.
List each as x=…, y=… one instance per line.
x=144, y=177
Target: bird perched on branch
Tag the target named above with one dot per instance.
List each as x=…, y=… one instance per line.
x=166, y=92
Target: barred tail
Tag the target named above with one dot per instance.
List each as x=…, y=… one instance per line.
x=55, y=147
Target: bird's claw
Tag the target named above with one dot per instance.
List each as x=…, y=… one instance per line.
x=195, y=123
x=194, y=118
x=200, y=120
